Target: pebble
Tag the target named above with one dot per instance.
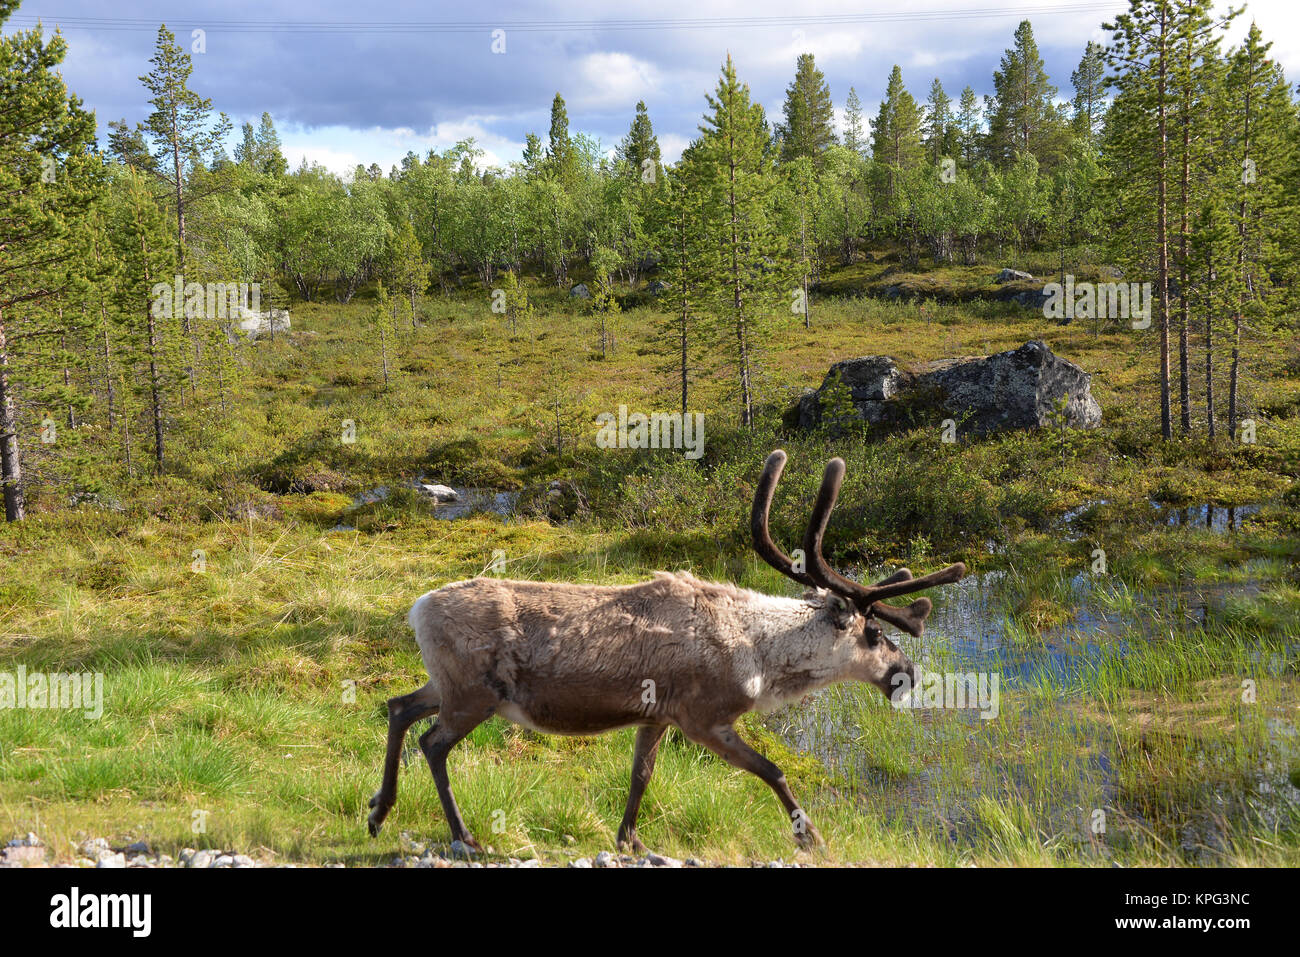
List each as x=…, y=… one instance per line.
x=98, y=852
x=462, y=850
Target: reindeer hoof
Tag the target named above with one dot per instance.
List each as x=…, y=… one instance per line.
x=630, y=842
x=377, y=815
x=808, y=838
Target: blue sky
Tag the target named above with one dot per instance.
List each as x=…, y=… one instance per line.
x=349, y=82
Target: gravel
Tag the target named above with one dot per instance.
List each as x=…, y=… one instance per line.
x=99, y=852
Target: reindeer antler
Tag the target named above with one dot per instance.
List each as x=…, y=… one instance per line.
x=763, y=544
x=868, y=598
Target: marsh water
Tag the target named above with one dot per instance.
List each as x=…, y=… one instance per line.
x=1055, y=768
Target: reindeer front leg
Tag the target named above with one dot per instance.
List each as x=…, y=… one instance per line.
x=723, y=741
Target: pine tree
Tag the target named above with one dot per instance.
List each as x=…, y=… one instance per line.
x=678, y=224
x=808, y=127
x=1136, y=154
x=1262, y=141
x=145, y=298
x=896, y=134
x=1193, y=80
x=181, y=126
x=737, y=196
x=514, y=300
x=1023, y=117
x=47, y=183
x=1089, y=103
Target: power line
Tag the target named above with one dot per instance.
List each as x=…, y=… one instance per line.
x=550, y=25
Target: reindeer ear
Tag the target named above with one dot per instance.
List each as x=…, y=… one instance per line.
x=841, y=611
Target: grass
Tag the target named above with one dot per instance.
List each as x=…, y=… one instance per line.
x=249, y=643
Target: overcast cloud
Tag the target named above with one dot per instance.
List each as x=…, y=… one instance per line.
x=349, y=82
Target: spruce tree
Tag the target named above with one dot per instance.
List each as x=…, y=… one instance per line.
x=640, y=148
x=967, y=123
x=938, y=127
x=855, y=137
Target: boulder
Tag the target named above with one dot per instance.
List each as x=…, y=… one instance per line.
x=1016, y=389
x=1012, y=275
x=258, y=324
x=580, y=291
x=439, y=493
x=658, y=287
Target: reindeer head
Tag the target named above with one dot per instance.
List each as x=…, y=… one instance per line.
x=857, y=607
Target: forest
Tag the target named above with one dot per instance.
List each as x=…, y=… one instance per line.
x=225, y=378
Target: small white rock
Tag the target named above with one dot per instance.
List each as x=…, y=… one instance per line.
x=112, y=860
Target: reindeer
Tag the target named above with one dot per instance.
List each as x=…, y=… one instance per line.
x=671, y=652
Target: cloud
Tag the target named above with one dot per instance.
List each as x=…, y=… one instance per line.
x=373, y=91
x=613, y=79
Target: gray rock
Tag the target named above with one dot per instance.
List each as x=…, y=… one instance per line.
x=439, y=493
x=580, y=291
x=203, y=858
x=258, y=324
x=22, y=855
x=461, y=850
x=582, y=862
x=111, y=860
x=1016, y=389
x=531, y=862
x=225, y=860
x=243, y=860
x=137, y=847
x=1011, y=275
x=93, y=847
x=659, y=287
x=660, y=860
x=605, y=859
